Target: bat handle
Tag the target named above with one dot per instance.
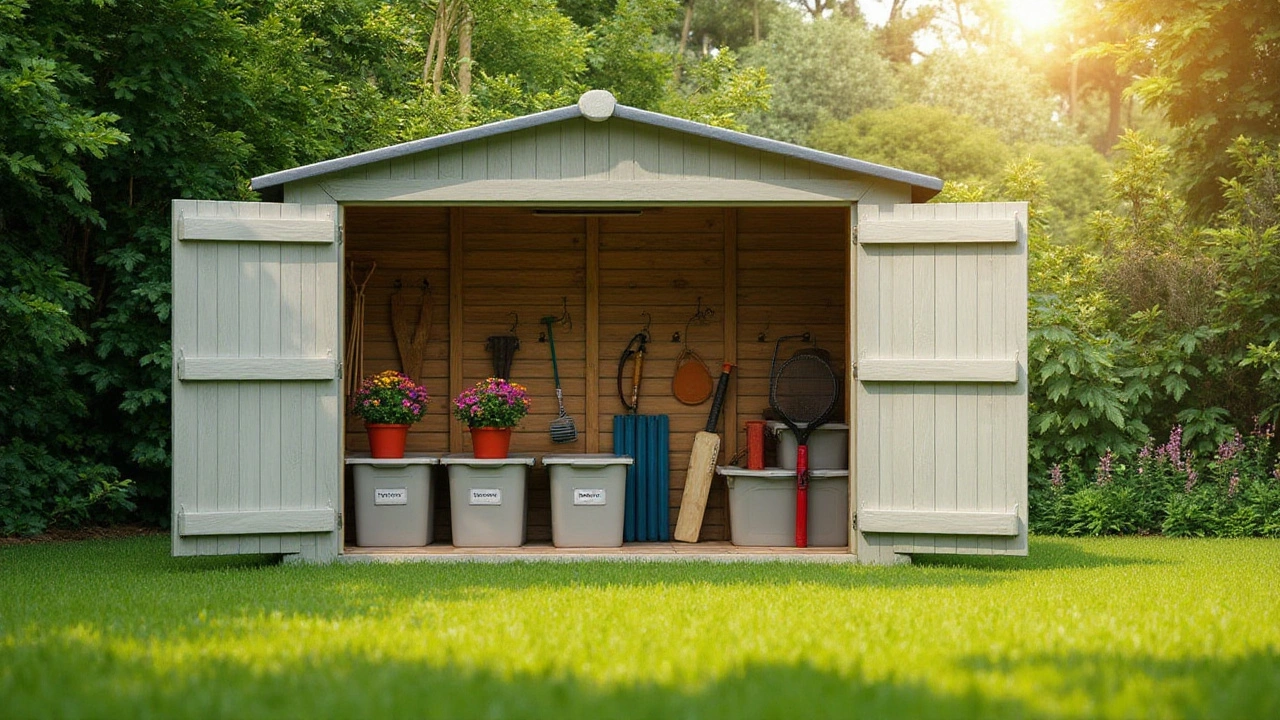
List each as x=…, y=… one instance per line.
x=802, y=496
x=721, y=387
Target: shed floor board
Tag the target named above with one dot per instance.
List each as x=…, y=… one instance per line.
x=630, y=552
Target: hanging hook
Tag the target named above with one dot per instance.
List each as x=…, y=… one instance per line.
x=700, y=316
x=516, y=323
x=648, y=322
x=764, y=333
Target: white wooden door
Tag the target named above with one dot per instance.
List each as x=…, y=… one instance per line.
x=256, y=418
x=941, y=380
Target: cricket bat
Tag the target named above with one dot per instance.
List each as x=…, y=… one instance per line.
x=702, y=467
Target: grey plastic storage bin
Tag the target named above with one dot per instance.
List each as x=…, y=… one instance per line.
x=588, y=498
x=828, y=446
x=762, y=507
x=394, y=506
x=487, y=499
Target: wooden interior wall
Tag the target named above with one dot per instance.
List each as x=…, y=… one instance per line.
x=790, y=277
x=662, y=262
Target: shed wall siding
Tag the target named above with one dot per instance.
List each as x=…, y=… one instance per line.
x=549, y=164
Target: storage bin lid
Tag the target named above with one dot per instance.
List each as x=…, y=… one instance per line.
x=473, y=461
x=735, y=471
x=776, y=473
x=777, y=426
x=587, y=459
x=410, y=458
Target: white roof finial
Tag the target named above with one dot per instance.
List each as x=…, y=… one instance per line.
x=597, y=105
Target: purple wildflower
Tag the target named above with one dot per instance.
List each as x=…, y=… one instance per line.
x=1055, y=475
x=1191, y=479
x=1233, y=486
x=1104, y=468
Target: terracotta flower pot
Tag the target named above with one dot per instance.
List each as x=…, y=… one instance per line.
x=491, y=443
x=386, y=440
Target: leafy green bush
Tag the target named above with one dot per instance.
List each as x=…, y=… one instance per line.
x=1167, y=489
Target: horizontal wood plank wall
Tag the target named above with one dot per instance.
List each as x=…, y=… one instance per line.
x=661, y=262
x=409, y=244
x=516, y=261
x=791, y=279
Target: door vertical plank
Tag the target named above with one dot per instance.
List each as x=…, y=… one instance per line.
x=945, y=424
x=186, y=432
x=249, y=343
x=207, y=402
x=967, y=399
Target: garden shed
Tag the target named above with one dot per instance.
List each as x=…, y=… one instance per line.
x=613, y=220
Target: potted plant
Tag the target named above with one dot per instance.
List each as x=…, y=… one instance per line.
x=490, y=409
x=389, y=403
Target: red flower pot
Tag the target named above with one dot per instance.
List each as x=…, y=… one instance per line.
x=491, y=443
x=386, y=440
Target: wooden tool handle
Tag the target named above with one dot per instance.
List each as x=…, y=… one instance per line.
x=635, y=381
x=718, y=402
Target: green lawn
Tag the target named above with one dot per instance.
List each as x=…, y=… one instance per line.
x=1142, y=627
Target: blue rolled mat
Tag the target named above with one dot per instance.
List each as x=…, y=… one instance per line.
x=645, y=438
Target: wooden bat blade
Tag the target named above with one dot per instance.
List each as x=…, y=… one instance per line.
x=697, y=485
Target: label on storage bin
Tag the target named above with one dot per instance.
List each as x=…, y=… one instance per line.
x=585, y=496
x=486, y=496
x=390, y=496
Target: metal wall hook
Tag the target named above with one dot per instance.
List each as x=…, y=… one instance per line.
x=516, y=323
x=765, y=332
x=701, y=316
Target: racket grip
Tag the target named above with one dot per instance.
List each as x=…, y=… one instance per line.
x=802, y=496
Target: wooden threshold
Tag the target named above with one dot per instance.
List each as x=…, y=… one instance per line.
x=720, y=551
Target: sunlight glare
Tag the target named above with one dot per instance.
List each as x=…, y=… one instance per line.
x=1034, y=15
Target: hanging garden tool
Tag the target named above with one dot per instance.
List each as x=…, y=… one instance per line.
x=563, y=429
x=411, y=324
x=633, y=353
x=691, y=382
x=353, y=359
x=503, y=349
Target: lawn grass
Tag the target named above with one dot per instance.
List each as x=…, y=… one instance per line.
x=1140, y=627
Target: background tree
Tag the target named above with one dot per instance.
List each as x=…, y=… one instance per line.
x=820, y=71
x=1214, y=69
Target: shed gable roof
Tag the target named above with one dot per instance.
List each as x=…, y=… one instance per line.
x=923, y=187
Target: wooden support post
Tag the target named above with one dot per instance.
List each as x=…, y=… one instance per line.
x=730, y=411
x=456, y=441
x=593, y=336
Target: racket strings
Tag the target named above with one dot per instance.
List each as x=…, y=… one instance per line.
x=805, y=389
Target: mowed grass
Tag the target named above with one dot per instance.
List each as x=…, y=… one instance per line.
x=1141, y=627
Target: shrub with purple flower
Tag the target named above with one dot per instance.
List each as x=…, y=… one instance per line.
x=390, y=398
x=492, y=403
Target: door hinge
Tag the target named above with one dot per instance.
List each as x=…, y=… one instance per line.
x=338, y=518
